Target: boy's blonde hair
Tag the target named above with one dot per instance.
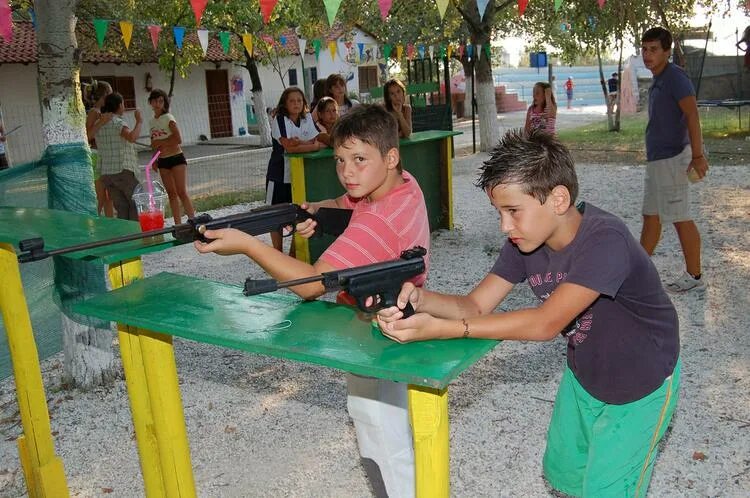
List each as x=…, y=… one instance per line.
x=371, y=124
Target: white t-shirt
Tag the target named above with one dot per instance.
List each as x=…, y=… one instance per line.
x=160, y=126
x=305, y=131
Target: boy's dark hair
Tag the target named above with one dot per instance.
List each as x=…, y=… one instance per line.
x=537, y=161
x=319, y=91
x=156, y=93
x=659, y=34
x=386, y=87
x=323, y=103
x=112, y=102
x=371, y=124
x=281, y=109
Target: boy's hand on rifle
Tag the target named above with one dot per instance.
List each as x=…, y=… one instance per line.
x=225, y=242
x=306, y=229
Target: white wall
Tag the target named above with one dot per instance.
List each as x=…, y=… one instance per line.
x=345, y=61
x=19, y=100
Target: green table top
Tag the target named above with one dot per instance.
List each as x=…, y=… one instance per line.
x=283, y=326
x=415, y=138
x=63, y=229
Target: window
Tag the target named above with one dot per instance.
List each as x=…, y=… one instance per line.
x=368, y=78
x=124, y=85
x=313, y=74
x=292, y=77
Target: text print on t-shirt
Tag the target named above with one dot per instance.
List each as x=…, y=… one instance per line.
x=577, y=330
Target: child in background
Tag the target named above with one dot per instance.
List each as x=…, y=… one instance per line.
x=96, y=92
x=542, y=113
x=292, y=130
x=117, y=156
x=599, y=289
x=172, y=165
x=394, y=95
x=336, y=88
x=328, y=113
x=319, y=91
x=389, y=216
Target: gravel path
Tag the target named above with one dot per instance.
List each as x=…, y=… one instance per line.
x=265, y=427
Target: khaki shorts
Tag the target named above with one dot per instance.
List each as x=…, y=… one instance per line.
x=666, y=193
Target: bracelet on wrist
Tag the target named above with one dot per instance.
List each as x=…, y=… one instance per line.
x=697, y=157
x=466, y=328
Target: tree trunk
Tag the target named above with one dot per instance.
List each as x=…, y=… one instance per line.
x=605, y=91
x=88, y=351
x=264, y=125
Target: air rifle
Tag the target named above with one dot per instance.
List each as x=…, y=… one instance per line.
x=379, y=281
x=258, y=221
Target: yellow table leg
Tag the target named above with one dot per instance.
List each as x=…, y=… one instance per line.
x=121, y=274
x=299, y=195
x=166, y=407
x=44, y=472
x=428, y=413
x=447, y=154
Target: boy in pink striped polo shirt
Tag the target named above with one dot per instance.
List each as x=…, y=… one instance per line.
x=389, y=216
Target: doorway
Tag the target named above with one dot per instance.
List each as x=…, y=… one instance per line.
x=219, y=109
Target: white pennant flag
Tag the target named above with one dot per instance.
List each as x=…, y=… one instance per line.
x=479, y=52
x=432, y=52
x=203, y=39
x=302, y=44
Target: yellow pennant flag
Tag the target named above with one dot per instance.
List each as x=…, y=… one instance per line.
x=332, y=49
x=247, y=41
x=449, y=50
x=399, y=51
x=442, y=5
x=127, y=32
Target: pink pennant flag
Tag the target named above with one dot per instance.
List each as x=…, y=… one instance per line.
x=198, y=7
x=6, y=21
x=522, y=7
x=385, y=7
x=266, y=8
x=601, y=3
x=410, y=51
x=154, y=31
x=461, y=49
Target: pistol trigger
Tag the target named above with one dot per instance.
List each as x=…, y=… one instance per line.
x=408, y=310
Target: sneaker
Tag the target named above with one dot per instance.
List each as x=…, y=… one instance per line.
x=686, y=282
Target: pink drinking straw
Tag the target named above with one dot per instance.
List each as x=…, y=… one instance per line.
x=149, y=185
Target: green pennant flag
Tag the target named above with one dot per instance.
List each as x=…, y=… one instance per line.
x=332, y=7
x=224, y=39
x=100, y=25
x=442, y=51
x=488, y=51
x=558, y=3
x=387, y=49
x=316, y=47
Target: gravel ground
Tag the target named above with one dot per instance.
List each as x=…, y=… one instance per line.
x=265, y=427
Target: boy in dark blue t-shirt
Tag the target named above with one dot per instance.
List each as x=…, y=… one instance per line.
x=599, y=289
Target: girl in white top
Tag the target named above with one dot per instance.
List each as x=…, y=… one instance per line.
x=172, y=165
x=292, y=130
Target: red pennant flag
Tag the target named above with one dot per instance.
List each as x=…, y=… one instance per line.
x=266, y=8
x=154, y=31
x=6, y=21
x=522, y=7
x=601, y=3
x=198, y=7
x=385, y=7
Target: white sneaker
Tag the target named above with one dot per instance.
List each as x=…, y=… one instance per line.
x=686, y=282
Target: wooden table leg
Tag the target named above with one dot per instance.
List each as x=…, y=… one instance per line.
x=43, y=470
x=428, y=413
x=121, y=274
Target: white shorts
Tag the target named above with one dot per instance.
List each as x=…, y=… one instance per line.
x=666, y=193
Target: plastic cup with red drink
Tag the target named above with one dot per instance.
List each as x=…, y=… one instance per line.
x=150, y=201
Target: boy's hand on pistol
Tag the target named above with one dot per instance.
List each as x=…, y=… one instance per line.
x=225, y=242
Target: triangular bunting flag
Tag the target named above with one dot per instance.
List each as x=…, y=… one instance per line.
x=224, y=39
x=282, y=40
x=469, y=51
x=32, y=16
x=431, y=50
x=154, y=31
x=302, y=43
x=601, y=3
x=461, y=50
x=385, y=7
x=522, y=7
x=332, y=49
x=361, y=47
x=266, y=8
x=198, y=7
x=399, y=51
x=442, y=5
x=558, y=3
x=6, y=21
x=479, y=52
x=387, y=49
x=179, y=35
x=203, y=39
x=127, y=32
x=420, y=50
x=449, y=50
x=316, y=48
x=488, y=51
x=247, y=42
x=482, y=7
x=410, y=51
x=332, y=7
x=100, y=26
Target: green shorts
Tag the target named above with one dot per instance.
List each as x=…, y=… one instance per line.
x=600, y=450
